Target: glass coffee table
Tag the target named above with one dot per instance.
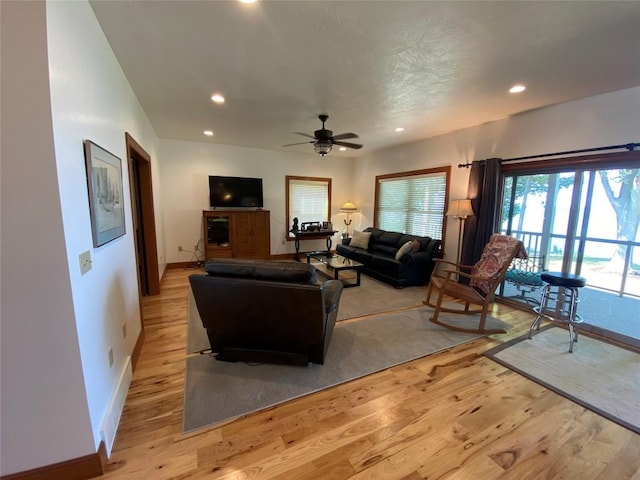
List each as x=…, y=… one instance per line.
x=336, y=263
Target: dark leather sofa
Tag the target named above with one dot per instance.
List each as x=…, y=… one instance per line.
x=266, y=311
x=379, y=259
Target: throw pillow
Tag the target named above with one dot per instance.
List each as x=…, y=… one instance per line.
x=360, y=239
x=406, y=248
x=415, y=246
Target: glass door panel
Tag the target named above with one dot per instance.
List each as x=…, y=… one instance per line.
x=583, y=222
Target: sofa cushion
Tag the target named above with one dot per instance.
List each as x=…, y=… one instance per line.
x=376, y=233
x=360, y=239
x=390, y=239
x=387, y=250
x=387, y=265
x=356, y=254
x=261, y=270
x=406, y=248
x=361, y=256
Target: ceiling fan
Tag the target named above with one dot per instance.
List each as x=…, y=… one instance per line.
x=324, y=140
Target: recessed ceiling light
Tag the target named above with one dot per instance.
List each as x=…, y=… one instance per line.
x=247, y=1
x=517, y=88
x=399, y=129
x=208, y=133
x=343, y=149
x=217, y=98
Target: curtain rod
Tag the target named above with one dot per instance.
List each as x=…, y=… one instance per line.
x=628, y=146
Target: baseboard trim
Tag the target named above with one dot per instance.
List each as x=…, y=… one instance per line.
x=81, y=468
x=183, y=265
x=283, y=256
x=176, y=265
x=135, y=355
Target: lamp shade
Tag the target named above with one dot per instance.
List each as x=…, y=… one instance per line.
x=348, y=208
x=460, y=208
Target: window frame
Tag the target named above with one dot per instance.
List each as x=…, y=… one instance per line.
x=446, y=170
x=288, y=180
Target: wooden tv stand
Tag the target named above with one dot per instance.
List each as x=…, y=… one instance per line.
x=236, y=233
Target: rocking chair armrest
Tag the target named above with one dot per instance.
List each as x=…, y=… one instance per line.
x=457, y=265
x=450, y=272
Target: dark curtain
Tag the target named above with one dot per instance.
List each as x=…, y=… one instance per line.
x=485, y=192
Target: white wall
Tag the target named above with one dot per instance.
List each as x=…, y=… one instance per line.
x=608, y=119
x=184, y=176
x=57, y=325
x=91, y=99
x=43, y=390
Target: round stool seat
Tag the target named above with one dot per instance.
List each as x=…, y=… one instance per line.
x=567, y=280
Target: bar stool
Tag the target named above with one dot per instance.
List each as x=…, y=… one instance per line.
x=565, y=294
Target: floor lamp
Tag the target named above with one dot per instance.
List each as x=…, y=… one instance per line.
x=460, y=209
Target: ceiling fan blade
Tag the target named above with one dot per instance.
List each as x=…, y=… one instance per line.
x=305, y=135
x=299, y=143
x=344, y=136
x=348, y=145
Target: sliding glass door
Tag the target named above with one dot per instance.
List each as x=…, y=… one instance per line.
x=579, y=218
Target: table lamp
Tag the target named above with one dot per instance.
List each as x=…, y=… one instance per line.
x=348, y=208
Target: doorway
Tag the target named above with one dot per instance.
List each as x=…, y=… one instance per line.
x=582, y=218
x=144, y=225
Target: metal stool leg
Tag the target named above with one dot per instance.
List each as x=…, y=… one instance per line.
x=572, y=320
x=540, y=310
x=565, y=299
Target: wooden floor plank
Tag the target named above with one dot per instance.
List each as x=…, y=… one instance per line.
x=455, y=414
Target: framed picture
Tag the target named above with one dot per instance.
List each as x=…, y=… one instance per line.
x=104, y=180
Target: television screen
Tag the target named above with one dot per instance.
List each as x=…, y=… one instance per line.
x=235, y=192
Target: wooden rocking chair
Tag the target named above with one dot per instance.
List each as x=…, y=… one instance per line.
x=484, y=278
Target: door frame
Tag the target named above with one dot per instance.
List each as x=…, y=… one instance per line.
x=578, y=165
x=142, y=205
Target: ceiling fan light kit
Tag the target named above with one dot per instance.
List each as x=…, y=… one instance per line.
x=322, y=147
x=324, y=140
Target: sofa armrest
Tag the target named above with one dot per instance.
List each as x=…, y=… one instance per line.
x=331, y=291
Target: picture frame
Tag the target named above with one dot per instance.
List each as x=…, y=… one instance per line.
x=106, y=202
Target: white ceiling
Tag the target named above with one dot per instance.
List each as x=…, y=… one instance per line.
x=430, y=67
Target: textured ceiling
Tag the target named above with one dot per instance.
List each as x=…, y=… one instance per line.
x=430, y=67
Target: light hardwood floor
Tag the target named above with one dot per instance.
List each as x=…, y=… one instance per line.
x=455, y=414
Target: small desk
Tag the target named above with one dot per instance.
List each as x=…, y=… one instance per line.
x=315, y=235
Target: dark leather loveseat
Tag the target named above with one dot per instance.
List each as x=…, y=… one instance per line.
x=379, y=258
x=266, y=311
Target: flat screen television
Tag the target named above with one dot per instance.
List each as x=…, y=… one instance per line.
x=235, y=192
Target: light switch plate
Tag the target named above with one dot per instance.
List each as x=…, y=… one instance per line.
x=85, y=262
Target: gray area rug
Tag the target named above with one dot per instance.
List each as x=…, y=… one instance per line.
x=219, y=391
x=372, y=296
x=599, y=376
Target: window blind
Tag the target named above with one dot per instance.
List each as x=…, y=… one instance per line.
x=308, y=200
x=413, y=204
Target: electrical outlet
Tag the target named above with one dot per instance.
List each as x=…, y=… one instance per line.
x=85, y=262
x=124, y=329
x=179, y=248
x=111, y=357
